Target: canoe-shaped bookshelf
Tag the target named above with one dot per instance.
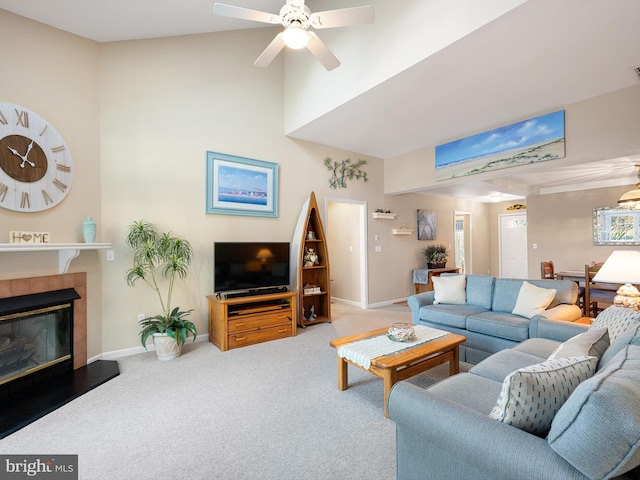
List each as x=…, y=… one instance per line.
x=310, y=259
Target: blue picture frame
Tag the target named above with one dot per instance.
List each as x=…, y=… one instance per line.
x=241, y=186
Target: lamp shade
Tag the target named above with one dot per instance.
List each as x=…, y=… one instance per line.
x=622, y=266
x=632, y=197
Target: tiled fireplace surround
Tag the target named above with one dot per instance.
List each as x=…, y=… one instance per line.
x=77, y=281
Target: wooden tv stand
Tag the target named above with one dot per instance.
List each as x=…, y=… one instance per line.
x=238, y=322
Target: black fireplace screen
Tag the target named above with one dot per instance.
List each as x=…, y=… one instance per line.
x=33, y=340
x=36, y=332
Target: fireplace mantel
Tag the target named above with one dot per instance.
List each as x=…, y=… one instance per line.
x=66, y=251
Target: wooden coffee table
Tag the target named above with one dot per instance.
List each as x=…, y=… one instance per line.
x=405, y=364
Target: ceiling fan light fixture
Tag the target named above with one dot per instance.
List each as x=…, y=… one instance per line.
x=295, y=37
x=632, y=197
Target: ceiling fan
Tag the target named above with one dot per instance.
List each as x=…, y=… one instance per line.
x=296, y=18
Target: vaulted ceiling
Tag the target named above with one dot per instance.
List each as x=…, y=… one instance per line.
x=540, y=56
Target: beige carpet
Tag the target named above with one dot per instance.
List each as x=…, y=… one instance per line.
x=268, y=411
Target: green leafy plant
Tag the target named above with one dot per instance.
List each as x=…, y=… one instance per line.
x=157, y=257
x=436, y=253
x=345, y=170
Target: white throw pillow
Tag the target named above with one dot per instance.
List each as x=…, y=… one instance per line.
x=450, y=289
x=533, y=300
x=592, y=342
x=531, y=396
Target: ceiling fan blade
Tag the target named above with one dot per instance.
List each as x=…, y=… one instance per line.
x=271, y=52
x=343, y=17
x=321, y=52
x=245, y=13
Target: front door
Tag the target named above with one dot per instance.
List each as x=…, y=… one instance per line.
x=513, y=246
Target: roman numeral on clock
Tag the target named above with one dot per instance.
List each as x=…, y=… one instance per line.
x=3, y=191
x=2, y=119
x=61, y=186
x=23, y=118
x=57, y=149
x=24, y=202
x=63, y=168
x=47, y=198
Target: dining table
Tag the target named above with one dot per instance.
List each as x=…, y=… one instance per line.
x=575, y=275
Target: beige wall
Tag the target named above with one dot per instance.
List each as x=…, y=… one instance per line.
x=165, y=103
x=390, y=270
x=596, y=129
x=139, y=117
x=55, y=75
x=561, y=225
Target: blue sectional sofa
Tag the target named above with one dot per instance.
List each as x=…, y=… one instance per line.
x=484, y=313
x=453, y=430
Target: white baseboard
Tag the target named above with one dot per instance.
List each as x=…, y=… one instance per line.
x=387, y=302
x=125, y=352
x=347, y=302
x=371, y=305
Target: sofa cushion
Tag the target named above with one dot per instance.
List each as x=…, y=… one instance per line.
x=608, y=401
x=630, y=336
x=506, y=290
x=497, y=324
x=450, y=290
x=450, y=315
x=531, y=396
x=499, y=365
x=533, y=300
x=591, y=342
x=505, y=294
x=540, y=347
x=457, y=388
x=566, y=290
x=616, y=319
x=480, y=290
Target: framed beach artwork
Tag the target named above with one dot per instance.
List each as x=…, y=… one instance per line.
x=535, y=140
x=241, y=186
x=426, y=224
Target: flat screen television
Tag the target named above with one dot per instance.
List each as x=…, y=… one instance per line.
x=240, y=266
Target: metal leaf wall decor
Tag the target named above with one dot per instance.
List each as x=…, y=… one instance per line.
x=345, y=170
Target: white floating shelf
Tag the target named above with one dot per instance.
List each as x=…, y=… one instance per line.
x=402, y=231
x=385, y=216
x=66, y=251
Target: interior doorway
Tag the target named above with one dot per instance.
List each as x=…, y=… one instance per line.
x=347, y=243
x=462, y=241
x=513, y=245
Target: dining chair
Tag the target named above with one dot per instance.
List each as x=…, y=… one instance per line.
x=546, y=270
x=597, y=296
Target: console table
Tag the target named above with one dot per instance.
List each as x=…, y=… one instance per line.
x=423, y=276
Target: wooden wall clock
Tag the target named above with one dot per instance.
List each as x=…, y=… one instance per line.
x=36, y=170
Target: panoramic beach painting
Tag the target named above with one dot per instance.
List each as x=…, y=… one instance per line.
x=530, y=141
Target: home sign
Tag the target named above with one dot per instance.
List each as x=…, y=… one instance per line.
x=29, y=237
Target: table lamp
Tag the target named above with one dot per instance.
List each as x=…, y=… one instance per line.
x=622, y=266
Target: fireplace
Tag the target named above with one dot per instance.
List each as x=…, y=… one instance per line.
x=43, y=348
x=36, y=339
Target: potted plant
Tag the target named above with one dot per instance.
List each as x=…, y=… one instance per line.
x=160, y=257
x=436, y=256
